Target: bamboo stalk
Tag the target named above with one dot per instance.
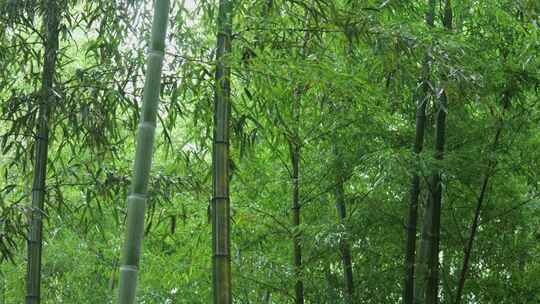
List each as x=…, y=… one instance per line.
x=35, y=233
x=221, y=258
x=433, y=231
x=411, y=283
x=136, y=200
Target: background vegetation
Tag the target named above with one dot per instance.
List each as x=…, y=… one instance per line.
x=325, y=96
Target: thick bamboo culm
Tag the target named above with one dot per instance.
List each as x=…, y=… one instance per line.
x=220, y=161
x=51, y=19
x=136, y=200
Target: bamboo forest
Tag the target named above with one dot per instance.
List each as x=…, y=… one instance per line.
x=270, y=151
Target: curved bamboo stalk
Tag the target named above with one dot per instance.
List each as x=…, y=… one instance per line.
x=136, y=200
x=480, y=201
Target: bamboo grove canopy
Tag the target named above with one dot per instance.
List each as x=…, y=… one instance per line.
x=270, y=151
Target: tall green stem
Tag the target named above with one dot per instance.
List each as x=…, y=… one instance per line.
x=433, y=231
x=294, y=148
x=35, y=233
x=344, y=246
x=431, y=234
x=136, y=200
x=220, y=161
x=414, y=192
x=480, y=200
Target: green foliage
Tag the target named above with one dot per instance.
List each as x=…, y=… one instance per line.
x=359, y=80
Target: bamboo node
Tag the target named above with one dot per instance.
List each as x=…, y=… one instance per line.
x=129, y=268
x=137, y=196
x=147, y=125
x=156, y=53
